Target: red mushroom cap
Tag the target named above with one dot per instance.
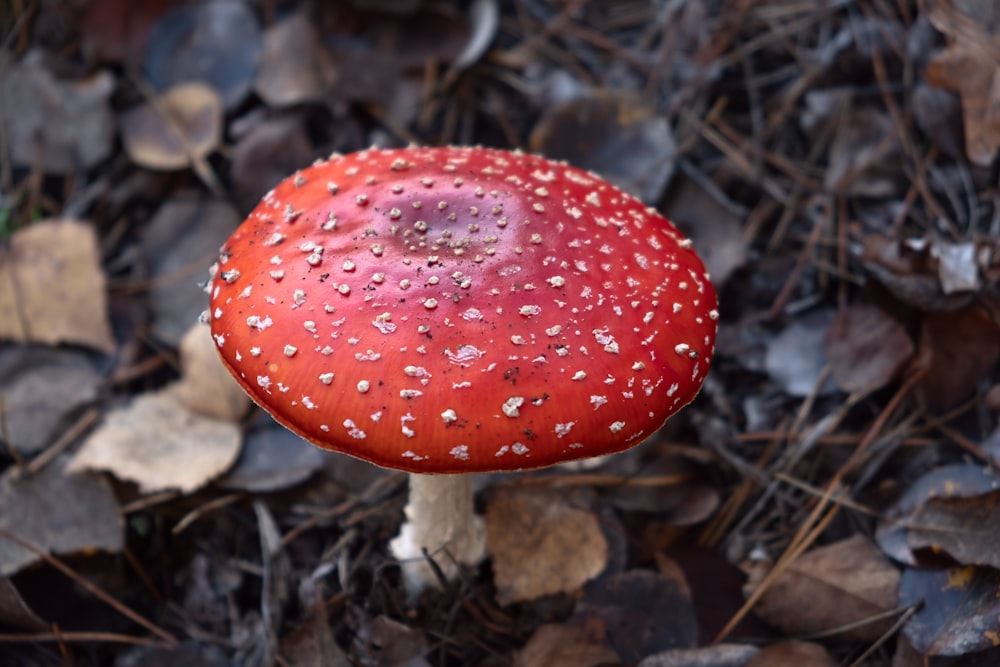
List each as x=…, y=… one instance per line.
x=462, y=309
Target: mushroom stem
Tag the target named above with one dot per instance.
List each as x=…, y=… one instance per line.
x=440, y=518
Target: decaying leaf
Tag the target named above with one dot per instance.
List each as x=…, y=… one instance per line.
x=176, y=130
x=555, y=645
x=52, y=289
x=638, y=613
x=41, y=388
x=217, y=42
x=617, y=135
x=60, y=126
x=792, y=654
x=962, y=347
x=57, y=511
x=866, y=348
x=832, y=586
x=794, y=359
x=946, y=487
x=294, y=68
x=960, y=610
x=159, y=444
x=541, y=544
x=179, y=244
x=273, y=458
x=969, y=65
x=205, y=386
x=714, y=222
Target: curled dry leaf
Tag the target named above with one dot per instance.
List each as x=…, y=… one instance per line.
x=948, y=486
x=57, y=511
x=206, y=387
x=866, y=348
x=159, y=444
x=60, y=126
x=837, y=585
x=555, y=645
x=541, y=545
x=175, y=130
x=52, y=289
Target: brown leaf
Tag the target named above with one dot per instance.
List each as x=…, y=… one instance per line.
x=205, y=386
x=792, y=654
x=57, y=511
x=962, y=347
x=554, y=645
x=967, y=529
x=294, y=68
x=866, y=348
x=832, y=586
x=176, y=130
x=52, y=289
x=969, y=66
x=960, y=611
x=61, y=126
x=638, y=612
x=118, y=30
x=541, y=544
x=41, y=389
x=159, y=444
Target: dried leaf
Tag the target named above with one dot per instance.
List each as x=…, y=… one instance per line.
x=554, y=645
x=294, y=68
x=866, y=348
x=793, y=357
x=969, y=66
x=159, y=444
x=617, y=135
x=179, y=128
x=956, y=482
x=217, y=42
x=52, y=289
x=719, y=655
x=15, y=611
x=960, y=613
x=57, y=511
x=41, y=388
x=710, y=219
x=205, y=386
x=274, y=458
x=792, y=654
x=541, y=545
x=638, y=612
x=179, y=244
x=833, y=586
x=61, y=126
x=962, y=346
x=967, y=529
x=117, y=31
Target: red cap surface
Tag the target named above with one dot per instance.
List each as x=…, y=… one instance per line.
x=462, y=310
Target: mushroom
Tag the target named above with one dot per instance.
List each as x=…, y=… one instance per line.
x=447, y=311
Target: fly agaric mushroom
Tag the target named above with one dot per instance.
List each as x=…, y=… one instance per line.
x=457, y=310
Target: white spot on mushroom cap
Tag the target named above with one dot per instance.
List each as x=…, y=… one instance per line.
x=511, y=405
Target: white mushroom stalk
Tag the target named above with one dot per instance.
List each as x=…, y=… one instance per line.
x=441, y=519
